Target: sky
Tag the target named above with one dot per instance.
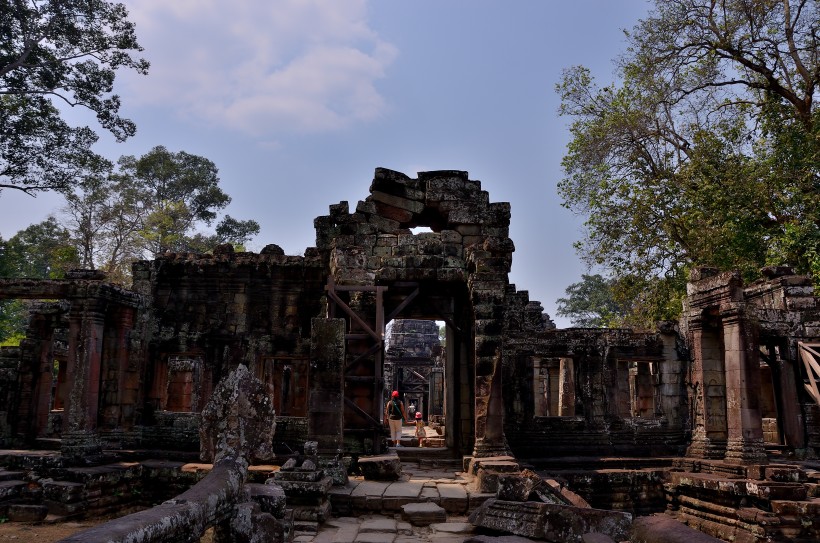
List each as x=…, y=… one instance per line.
x=298, y=101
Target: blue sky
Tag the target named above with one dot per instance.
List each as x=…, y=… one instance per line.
x=298, y=101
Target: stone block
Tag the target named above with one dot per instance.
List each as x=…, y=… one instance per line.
x=505, y=464
x=384, y=225
x=303, y=489
x=784, y=474
x=393, y=213
x=63, y=491
x=423, y=514
x=367, y=490
x=380, y=468
x=270, y=497
x=11, y=489
x=398, y=202
x=400, y=493
x=549, y=521
x=453, y=498
x=18, y=512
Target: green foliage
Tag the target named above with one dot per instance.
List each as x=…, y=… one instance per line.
x=13, y=317
x=146, y=206
x=68, y=51
x=591, y=303
x=41, y=251
x=705, y=153
x=180, y=190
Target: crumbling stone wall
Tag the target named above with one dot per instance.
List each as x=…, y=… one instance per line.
x=214, y=312
x=751, y=326
x=594, y=423
x=469, y=246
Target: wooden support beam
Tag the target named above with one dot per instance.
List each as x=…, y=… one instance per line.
x=349, y=403
x=402, y=305
x=810, y=356
x=366, y=327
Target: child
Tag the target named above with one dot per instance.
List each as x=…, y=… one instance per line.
x=421, y=435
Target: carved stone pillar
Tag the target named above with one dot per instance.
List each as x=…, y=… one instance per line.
x=540, y=381
x=708, y=382
x=326, y=395
x=85, y=342
x=44, y=346
x=744, y=423
x=128, y=376
x=489, y=408
x=566, y=388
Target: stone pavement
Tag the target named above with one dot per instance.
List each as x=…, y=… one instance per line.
x=371, y=511
x=377, y=528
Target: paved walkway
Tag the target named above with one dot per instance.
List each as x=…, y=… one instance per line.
x=388, y=529
x=371, y=511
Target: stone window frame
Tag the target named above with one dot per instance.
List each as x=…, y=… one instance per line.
x=265, y=371
x=180, y=363
x=632, y=391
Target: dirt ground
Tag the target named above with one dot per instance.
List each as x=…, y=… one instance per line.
x=20, y=532
x=41, y=533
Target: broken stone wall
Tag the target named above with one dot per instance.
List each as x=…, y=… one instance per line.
x=207, y=314
x=787, y=312
x=599, y=408
x=462, y=263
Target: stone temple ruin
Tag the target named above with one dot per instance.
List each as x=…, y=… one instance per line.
x=711, y=422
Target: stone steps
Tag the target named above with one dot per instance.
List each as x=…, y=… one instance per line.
x=361, y=497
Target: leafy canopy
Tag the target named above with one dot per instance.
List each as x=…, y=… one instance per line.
x=146, y=206
x=41, y=251
x=65, y=52
x=707, y=151
x=591, y=303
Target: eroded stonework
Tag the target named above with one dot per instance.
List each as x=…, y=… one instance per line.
x=728, y=392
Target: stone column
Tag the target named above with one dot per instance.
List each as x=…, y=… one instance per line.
x=129, y=382
x=326, y=394
x=789, y=408
x=540, y=382
x=672, y=385
x=744, y=424
x=86, y=326
x=43, y=378
x=566, y=388
x=708, y=379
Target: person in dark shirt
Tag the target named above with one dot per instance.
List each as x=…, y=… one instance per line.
x=395, y=416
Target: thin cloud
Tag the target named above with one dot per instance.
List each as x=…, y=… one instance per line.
x=261, y=67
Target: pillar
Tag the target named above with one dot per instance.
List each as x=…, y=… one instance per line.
x=326, y=390
x=85, y=342
x=44, y=377
x=566, y=388
x=744, y=424
x=540, y=391
x=708, y=383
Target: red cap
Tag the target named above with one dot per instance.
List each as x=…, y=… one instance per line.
x=418, y=414
x=395, y=394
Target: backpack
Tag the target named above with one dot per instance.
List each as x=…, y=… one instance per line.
x=395, y=410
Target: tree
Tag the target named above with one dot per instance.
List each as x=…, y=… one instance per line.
x=229, y=230
x=41, y=251
x=147, y=206
x=64, y=51
x=181, y=190
x=591, y=303
x=706, y=152
x=12, y=312
x=105, y=215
